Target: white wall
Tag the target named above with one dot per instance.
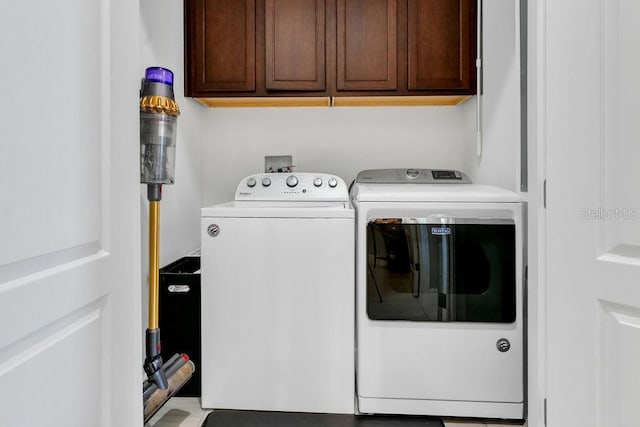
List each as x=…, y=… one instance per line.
x=161, y=44
x=499, y=161
x=339, y=140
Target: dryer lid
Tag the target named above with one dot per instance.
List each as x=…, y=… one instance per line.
x=464, y=193
x=412, y=176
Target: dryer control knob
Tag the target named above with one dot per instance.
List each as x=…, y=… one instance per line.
x=503, y=345
x=266, y=182
x=292, y=181
x=317, y=182
x=333, y=182
x=251, y=182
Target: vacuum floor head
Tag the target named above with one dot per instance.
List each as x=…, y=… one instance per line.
x=178, y=370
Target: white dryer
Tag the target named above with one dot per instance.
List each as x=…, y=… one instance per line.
x=278, y=296
x=439, y=295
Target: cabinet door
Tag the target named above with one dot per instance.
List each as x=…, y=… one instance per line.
x=366, y=45
x=295, y=45
x=441, y=44
x=224, y=45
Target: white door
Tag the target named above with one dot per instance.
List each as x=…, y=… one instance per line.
x=590, y=96
x=70, y=340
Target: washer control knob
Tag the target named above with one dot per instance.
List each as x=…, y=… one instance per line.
x=266, y=182
x=251, y=182
x=292, y=181
x=333, y=182
x=213, y=230
x=317, y=182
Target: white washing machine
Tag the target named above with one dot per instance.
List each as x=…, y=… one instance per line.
x=278, y=296
x=439, y=295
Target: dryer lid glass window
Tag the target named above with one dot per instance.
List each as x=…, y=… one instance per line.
x=443, y=270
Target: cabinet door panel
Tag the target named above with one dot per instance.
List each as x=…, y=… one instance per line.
x=367, y=45
x=441, y=44
x=295, y=45
x=225, y=45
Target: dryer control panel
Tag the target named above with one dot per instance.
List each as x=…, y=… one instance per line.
x=298, y=186
x=412, y=176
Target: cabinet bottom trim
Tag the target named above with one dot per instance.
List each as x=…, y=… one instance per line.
x=324, y=101
x=408, y=101
x=337, y=101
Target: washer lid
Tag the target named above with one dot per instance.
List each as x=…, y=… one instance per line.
x=455, y=193
x=412, y=176
x=281, y=209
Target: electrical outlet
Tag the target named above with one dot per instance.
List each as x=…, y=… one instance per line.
x=278, y=164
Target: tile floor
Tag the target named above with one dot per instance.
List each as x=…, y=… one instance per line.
x=186, y=412
x=179, y=412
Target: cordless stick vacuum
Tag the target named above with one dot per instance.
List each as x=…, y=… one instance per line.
x=158, y=119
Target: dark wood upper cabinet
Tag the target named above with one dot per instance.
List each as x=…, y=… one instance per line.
x=441, y=36
x=295, y=45
x=224, y=45
x=329, y=48
x=367, y=48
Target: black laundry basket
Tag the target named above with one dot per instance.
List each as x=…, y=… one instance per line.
x=180, y=316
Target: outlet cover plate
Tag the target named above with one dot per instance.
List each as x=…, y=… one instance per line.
x=278, y=164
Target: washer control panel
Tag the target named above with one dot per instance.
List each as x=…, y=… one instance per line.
x=303, y=186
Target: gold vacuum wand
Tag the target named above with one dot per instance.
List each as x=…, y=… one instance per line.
x=154, y=262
